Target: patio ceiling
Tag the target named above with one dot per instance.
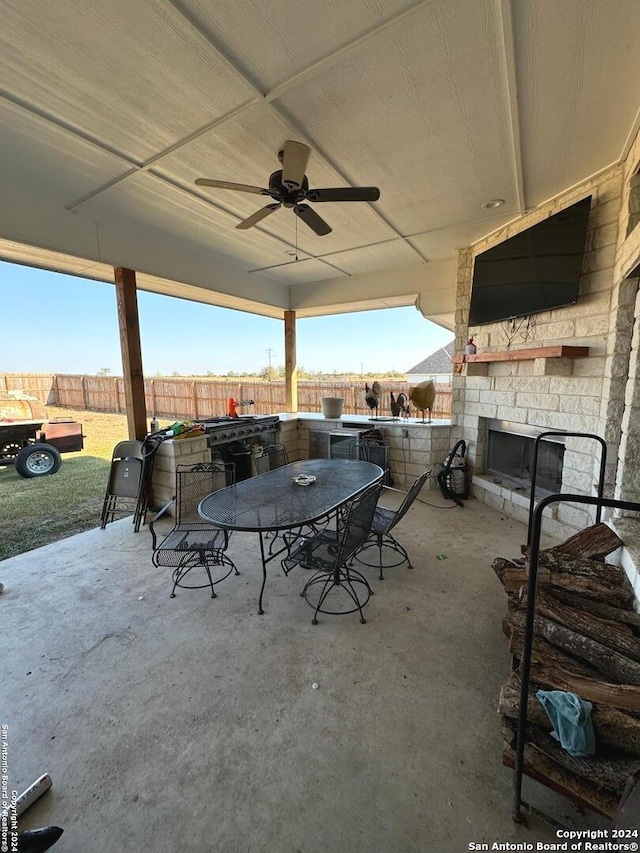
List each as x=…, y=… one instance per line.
x=110, y=111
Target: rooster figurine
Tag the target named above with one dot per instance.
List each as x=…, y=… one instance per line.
x=372, y=396
x=403, y=404
x=395, y=407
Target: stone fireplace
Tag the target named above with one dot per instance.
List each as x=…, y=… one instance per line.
x=510, y=452
x=521, y=377
x=566, y=369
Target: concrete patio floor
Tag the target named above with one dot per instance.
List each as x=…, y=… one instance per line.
x=190, y=724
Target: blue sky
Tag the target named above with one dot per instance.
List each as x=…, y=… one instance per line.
x=63, y=324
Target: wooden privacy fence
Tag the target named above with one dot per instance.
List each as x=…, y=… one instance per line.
x=38, y=385
x=180, y=397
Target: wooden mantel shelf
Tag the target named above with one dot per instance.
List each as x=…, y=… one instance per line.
x=559, y=351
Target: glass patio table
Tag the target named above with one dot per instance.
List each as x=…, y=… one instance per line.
x=273, y=502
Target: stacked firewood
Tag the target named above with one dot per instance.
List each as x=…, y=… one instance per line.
x=586, y=641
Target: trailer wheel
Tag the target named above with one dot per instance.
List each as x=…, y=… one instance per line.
x=37, y=460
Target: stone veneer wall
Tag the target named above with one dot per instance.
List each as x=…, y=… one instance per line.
x=626, y=278
x=171, y=453
x=584, y=395
x=599, y=394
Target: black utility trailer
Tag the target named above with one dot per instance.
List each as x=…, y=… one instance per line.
x=34, y=447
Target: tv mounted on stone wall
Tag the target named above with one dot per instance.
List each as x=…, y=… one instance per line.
x=536, y=270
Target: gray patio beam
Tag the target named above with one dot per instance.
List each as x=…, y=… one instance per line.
x=127, y=302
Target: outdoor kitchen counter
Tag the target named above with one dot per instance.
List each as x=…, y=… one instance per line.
x=425, y=446
x=413, y=445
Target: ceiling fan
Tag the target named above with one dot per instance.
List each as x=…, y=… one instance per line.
x=289, y=187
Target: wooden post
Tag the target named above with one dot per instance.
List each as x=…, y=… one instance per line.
x=290, y=362
x=194, y=397
x=131, y=352
x=154, y=402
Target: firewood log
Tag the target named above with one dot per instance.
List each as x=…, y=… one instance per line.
x=605, y=573
x=610, y=634
x=541, y=768
x=613, y=665
x=554, y=676
x=543, y=652
x=513, y=577
x=604, y=611
x=593, y=543
x=610, y=773
x=612, y=728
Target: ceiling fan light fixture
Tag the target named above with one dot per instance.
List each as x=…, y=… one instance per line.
x=492, y=203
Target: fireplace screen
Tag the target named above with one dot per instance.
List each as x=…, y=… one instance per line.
x=512, y=456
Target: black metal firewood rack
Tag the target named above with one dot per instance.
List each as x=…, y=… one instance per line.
x=533, y=543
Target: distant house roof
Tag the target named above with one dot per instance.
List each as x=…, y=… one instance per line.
x=438, y=362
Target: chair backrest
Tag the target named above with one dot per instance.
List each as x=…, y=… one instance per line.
x=368, y=450
x=131, y=448
x=357, y=525
x=412, y=494
x=195, y=482
x=273, y=456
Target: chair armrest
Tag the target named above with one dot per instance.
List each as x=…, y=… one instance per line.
x=156, y=517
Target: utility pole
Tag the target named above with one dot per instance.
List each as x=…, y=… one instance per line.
x=362, y=368
x=269, y=352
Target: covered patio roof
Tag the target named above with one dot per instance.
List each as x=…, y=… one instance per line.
x=110, y=111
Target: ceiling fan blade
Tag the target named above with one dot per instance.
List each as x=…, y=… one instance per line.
x=311, y=218
x=258, y=216
x=344, y=194
x=228, y=185
x=295, y=156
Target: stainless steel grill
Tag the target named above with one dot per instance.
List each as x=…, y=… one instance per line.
x=225, y=429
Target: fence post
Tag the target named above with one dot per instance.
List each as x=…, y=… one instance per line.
x=194, y=397
x=154, y=404
x=83, y=386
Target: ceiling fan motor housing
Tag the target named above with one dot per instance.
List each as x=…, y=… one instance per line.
x=288, y=197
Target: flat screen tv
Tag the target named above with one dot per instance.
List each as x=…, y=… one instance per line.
x=536, y=270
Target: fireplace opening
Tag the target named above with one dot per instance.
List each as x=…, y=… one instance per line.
x=510, y=455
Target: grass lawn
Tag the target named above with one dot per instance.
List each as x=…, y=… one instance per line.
x=44, y=509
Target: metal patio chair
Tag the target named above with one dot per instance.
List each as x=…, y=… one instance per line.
x=276, y=456
x=383, y=522
x=330, y=553
x=193, y=543
x=273, y=456
x=373, y=448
